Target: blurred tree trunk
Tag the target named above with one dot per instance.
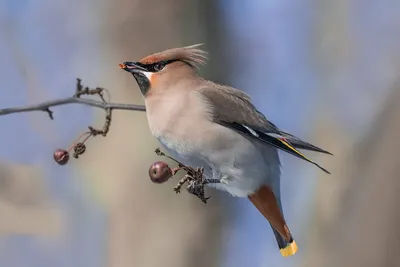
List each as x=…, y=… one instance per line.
x=148, y=224
x=364, y=229
x=333, y=48
x=356, y=210
x=25, y=203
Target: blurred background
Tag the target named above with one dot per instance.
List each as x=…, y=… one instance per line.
x=326, y=71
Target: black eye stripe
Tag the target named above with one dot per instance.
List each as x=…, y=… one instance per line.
x=155, y=67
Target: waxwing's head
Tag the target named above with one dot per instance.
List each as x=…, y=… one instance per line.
x=160, y=70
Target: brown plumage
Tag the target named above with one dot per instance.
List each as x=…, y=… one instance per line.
x=266, y=203
x=190, y=54
x=264, y=200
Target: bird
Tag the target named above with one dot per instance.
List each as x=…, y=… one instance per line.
x=217, y=127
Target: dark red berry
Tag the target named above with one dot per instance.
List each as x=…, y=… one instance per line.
x=61, y=156
x=160, y=172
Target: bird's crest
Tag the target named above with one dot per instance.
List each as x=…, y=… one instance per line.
x=192, y=55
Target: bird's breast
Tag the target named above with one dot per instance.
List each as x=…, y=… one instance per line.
x=183, y=125
x=180, y=121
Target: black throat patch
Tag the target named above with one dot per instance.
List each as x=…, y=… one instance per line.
x=143, y=82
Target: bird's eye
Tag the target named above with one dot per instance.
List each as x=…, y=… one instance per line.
x=158, y=66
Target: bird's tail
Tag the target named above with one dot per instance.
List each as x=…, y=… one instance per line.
x=287, y=248
x=265, y=201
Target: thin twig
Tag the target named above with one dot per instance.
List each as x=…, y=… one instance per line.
x=45, y=106
x=106, y=127
x=71, y=100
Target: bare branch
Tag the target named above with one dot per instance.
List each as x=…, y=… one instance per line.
x=71, y=100
x=61, y=156
x=106, y=127
x=47, y=109
x=45, y=106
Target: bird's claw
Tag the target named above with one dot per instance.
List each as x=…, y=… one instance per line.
x=177, y=189
x=197, y=190
x=181, y=182
x=194, y=177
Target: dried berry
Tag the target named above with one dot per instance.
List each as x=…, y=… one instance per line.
x=61, y=156
x=79, y=149
x=160, y=172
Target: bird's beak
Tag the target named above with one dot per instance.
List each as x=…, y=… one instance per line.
x=131, y=67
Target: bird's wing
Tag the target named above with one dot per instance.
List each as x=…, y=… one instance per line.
x=232, y=105
x=300, y=144
x=233, y=109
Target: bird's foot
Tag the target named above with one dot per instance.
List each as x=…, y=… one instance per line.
x=197, y=189
x=194, y=177
x=181, y=182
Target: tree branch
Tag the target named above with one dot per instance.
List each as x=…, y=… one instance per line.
x=45, y=106
x=61, y=156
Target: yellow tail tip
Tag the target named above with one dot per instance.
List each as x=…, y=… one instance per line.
x=290, y=250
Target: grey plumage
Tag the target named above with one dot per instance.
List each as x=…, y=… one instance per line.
x=232, y=105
